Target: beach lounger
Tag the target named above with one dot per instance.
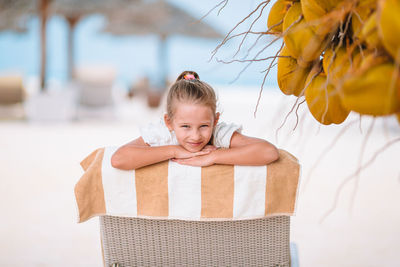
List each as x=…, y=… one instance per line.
x=11, y=90
x=168, y=214
x=147, y=242
x=12, y=97
x=95, y=85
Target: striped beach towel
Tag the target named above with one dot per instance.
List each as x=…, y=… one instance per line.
x=168, y=190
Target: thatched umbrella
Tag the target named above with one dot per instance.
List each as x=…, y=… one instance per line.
x=126, y=17
x=14, y=14
x=76, y=10
x=162, y=19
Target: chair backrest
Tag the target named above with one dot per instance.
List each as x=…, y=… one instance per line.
x=12, y=90
x=95, y=84
x=148, y=242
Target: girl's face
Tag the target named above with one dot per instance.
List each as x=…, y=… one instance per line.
x=193, y=125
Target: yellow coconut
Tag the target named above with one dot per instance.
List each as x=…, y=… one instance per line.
x=371, y=59
x=324, y=16
x=323, y=100
x=369, y=32
x=389, y=26
x=366, y=59
x=372, y=90
x=276, y=15
x=301, y=41
x=357, y=59
x=361, y=14
x=291, y=77
x=367, y=3
x=336, y=63
x=328, y=59
x=316, y=9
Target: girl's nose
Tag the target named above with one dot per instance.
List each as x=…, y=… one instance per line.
x=196, y=134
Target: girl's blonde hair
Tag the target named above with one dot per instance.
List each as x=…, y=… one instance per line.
x=189, y=88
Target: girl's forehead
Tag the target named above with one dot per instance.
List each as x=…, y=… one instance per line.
x=183, y=110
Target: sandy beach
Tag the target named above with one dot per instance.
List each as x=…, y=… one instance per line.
x=40, y=166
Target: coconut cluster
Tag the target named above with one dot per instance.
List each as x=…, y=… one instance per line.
x=341, y=55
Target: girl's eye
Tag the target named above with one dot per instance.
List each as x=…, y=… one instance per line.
x=185, y=126
x=204, y=126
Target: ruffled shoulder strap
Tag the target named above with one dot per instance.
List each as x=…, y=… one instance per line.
x=158, y=134
x=223, y=133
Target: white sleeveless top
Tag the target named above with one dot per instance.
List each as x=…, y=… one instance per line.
x=158, y=134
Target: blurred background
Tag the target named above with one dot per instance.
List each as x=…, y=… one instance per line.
x=79, y=75
x=67, y=47
x=111, y=35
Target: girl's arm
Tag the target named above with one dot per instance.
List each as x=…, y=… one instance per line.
x=243, y=150
x=247, y=151
x=138, y=154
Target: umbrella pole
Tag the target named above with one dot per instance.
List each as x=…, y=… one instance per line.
x=163, y=61
x=43, y=7
x=154, y=97
x=72, y=21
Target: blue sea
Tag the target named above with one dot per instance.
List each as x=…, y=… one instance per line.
x=132, y=56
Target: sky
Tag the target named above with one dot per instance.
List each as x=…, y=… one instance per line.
x=138, y=56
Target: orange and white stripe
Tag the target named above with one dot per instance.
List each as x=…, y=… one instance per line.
x=184, y=191
x=250, y=202
x=169, y=190
x=119, y=187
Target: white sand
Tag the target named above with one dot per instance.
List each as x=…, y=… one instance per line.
x=40, y=166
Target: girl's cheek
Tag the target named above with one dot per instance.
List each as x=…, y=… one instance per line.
x=208, y=131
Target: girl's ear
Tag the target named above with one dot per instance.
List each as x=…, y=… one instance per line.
x=167, y=121
x=216, y=118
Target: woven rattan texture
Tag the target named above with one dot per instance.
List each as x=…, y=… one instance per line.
x=144, y=242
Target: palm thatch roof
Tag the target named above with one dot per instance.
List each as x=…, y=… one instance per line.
x=14, y=14
x=157, y=17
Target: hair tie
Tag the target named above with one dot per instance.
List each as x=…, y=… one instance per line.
x=189, y=77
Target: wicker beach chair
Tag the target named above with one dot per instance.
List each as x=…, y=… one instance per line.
x=156, y=219
x=12, y=97
x=148, y=242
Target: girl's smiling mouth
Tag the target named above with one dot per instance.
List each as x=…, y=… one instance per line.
x=195, y=143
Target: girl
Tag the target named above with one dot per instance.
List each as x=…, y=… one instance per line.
x=190, y=134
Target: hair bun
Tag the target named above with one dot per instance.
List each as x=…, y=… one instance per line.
x=187, y=73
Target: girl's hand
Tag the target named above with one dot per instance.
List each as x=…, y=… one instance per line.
x=209, y=148
x=181, y=153
x=199, y=161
